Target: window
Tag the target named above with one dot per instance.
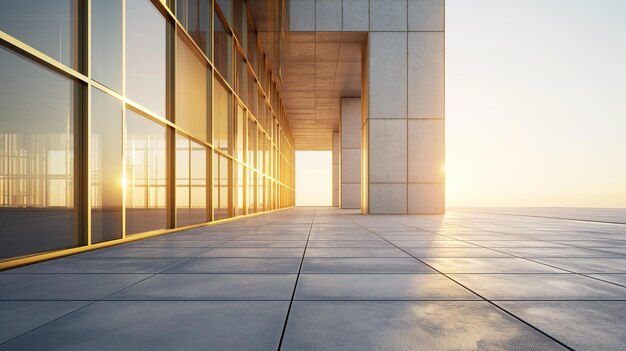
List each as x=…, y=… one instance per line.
x=146, y=195
x=146, y=56
x=106, y=167
x=221, y=187
x=191, y=90
x=190, y=182
x=222, y=118
x=222, y=50
x=37, y=113
x=106, y=43
x=50, y=26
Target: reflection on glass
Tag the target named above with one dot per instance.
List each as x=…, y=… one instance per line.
x=106, y=42
x=221, y=116
x=190, y=182
x=252, y=45
x=252, y=94
x=239, y=133
x=145, y=55
x=106, y=167
x=37, y=158
x=251, y=190
x=195, y=16
x=225, y=6
x=191, y=92
x=49, y=26
x=251, y=143
x=221, y=186
x=146, y=205
x=222, y=50
x=239, y=189
x=260, y=191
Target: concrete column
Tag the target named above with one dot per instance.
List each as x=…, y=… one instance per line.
x=336, y=169
x=351, y=153
x=405, y=121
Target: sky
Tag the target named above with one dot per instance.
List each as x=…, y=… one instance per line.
x=536, y=103
x=314, y=178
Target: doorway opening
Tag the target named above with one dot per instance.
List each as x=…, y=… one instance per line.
x=314, y=178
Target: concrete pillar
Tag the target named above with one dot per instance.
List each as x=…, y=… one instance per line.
x=351, y=153
x=402, y=137
x=336, y=169
x=405, y=121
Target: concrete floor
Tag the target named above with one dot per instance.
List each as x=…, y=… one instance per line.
x=320, y=279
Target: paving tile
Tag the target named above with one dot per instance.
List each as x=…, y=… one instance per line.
x=157, y=252
x=211, y=287
x=614, y=278
x=488, y=265
x=588, y=265
x=379, y=287
x=162, y=325
x=582, y=325
x=350, y=325
x=100, y=265
x=540, y=287
x=557, y=252
x=455, y=252
x=431, y=243
x=19, y=317
x=238, y=265
x=354, y=252
x=174, y=243
x=253, y=252
x=363, y=265
x=348, y=243
x=63, y=286
x=265, y=243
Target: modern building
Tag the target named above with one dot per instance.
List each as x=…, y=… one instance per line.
x=123, y=119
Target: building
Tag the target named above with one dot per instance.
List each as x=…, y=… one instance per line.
x=123, y=119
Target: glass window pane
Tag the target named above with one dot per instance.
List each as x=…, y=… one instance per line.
x=190, y=182
x=106, y=167
x=49, y=26
x=146, y=55
x=221, y=186
x=146, y=202
x=240, y=136
x=222, y=49
x=221, y=116
x=37, y=168
x=251, y=190
x=226, y=7
x=191, y=92
x=106, y=43
x=240, y=188
x=251, y=143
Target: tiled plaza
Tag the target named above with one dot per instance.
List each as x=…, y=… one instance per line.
x=328, y=279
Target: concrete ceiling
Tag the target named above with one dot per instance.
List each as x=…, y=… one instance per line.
x=319, y=69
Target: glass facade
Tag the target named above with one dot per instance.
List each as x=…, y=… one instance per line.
x=120, y=120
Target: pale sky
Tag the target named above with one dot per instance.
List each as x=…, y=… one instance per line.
x=536, y=103
x=314, y=178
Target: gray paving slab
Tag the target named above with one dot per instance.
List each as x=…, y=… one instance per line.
x=364, y=265
x=100, y=265
x=379, y=287
x=238, y=265
x=19, y=317
x=455, y=252
x=253, y=252
x=350, y=325
x=488, y=265
x=540, y=287
x=155, y=252
x=211, y=287
x=162, y=325
x=582, y=325
x=64, y=286
x=265, y=243
x=614, y=278
x=588, y=265
x=354, y=252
